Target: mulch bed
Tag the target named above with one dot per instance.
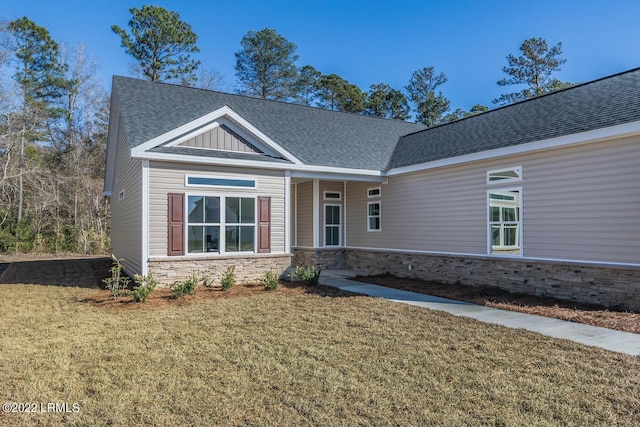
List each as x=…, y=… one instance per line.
x=589, y=314
x=163, y=297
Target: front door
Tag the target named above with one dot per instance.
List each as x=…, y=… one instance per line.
x=332, y=228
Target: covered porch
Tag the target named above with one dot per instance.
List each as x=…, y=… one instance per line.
x=326, y=211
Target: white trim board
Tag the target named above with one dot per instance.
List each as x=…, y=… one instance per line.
x=619, y=131
x=145, y=217
x=297, y=171
x=208, y=121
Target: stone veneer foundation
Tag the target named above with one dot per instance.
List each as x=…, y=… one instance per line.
x=608, y=285
x=248, y=268
x=329, y=259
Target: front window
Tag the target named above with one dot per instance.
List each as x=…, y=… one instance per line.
x=207, y=216
x=505, y=222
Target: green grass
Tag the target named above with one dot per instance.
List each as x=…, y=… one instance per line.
x=296, y=359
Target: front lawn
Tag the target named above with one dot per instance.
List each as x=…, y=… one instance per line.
x=294, y=358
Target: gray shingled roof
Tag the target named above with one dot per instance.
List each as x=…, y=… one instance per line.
x=328, y=138
x=605, y=102
x=315, y=136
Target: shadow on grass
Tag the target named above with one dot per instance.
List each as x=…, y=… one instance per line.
x=80, y=272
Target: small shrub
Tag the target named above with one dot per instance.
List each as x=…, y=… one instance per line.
x=228, y=277
x=205, y=279
x=146, y=285
x=270, y=280
x=186, y=287
x=118, y=282
x=308, y=274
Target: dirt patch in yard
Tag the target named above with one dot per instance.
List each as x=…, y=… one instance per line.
x=589, y=314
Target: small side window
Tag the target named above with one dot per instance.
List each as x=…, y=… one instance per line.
x=505, y=175
x=332, y=195
x=505, y=222
x=373, y=216
x=374, y=192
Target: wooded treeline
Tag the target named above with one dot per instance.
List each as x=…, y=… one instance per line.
x=54, y=112
x=53, y=128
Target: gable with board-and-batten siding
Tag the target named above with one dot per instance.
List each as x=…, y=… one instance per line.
x=221, y=138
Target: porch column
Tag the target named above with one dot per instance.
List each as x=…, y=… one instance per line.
x=344, y=213
x=287, y=211
x=316, y=213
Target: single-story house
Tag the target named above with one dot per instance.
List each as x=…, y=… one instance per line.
x=542, y=196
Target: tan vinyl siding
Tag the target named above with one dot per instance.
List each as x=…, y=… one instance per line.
x=583, y=203
x=167, y=178
x=579, y=203
x=418, y=212
x=221, y=138
x=305, y=214
x=126, y=212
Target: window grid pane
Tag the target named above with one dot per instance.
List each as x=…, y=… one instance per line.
x=332, y=236
x=374, y=223
x=332, y=215
x=195, y=212
x=247, y=211
x=195, y=239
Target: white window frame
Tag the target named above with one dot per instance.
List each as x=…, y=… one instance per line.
x=222, y=187
x=371, y=196
x=222, y=225
x=379, y=216
x=517, y=169
x=334, y=199
x=325, y=225
x=519, y=223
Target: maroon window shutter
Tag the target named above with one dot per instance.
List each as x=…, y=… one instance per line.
x=176, y=225
x=264, y=224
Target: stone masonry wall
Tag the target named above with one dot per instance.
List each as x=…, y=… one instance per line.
x=329, y=259
x=611, y=286
x=248, y=269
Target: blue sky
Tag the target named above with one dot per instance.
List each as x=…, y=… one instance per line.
x=373, y=41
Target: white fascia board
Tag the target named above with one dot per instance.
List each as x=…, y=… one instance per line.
x=187, y=129
x=612, y=132
x=297, y=171
x=338, y=174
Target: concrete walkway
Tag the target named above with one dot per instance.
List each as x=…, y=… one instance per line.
x=622, y=342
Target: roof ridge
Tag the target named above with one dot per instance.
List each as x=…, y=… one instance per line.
x=544, y=95
x=293, y=104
